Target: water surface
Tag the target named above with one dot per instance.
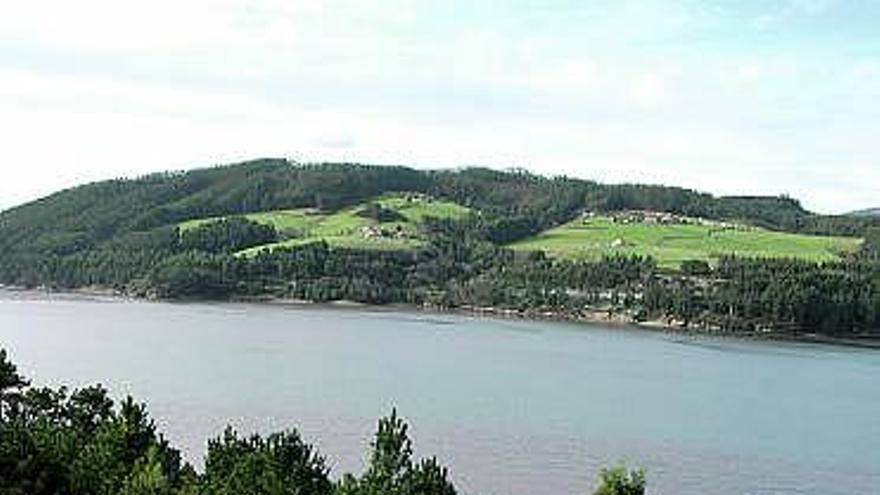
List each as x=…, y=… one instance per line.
x=512, y=407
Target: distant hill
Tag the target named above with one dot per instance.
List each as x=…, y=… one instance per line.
x=870, y=212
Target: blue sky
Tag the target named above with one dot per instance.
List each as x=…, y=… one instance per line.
x=736, y=97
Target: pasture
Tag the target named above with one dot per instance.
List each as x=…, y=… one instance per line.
x=669, y=245
x=347, y=228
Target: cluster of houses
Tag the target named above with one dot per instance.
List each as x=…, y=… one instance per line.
x=417, y=197
x=661, y=218
x=378, y=232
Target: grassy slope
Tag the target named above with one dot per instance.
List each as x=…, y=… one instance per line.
x=671, y=244
x=343, y=228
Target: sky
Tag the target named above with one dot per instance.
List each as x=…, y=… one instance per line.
x=730, y=97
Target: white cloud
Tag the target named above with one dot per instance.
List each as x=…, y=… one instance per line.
x=574, y=76
x=649, y=89
x=779, y=14
x=748, y=73
x=642, y=91
x=25, y=90
x=121, y=26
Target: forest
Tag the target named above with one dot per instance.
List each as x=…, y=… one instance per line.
x=125, y=234
x=55, y=441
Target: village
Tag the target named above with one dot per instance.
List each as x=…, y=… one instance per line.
x=393, y=229
x=650, y=217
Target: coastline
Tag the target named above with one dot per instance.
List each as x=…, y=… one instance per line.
x=586, y=318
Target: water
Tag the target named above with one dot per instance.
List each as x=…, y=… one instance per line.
x=511, y=407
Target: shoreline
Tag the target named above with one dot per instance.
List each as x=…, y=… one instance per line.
x=588, y=318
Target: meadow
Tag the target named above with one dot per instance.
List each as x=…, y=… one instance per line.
x=346, y=227
x=671, y=244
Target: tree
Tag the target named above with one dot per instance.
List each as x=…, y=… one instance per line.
x=619, y=481
x=11, y=384
x=391, y=470
x=280, y=464
x=391, y=458
x=695, y=268
x=379, y=213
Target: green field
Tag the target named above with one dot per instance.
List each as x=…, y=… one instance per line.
x=669, y=245
x=345, y=228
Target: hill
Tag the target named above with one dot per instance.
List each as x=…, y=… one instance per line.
x=870, y=212
x=678, y=239
x=514, y=204
x=440, y=238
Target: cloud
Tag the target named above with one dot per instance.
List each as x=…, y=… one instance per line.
x=336, y=142
x=649, y=89
x=573, y=76
x=652, y=91
x=789, y=11
x=748, y=73
x=91, y=95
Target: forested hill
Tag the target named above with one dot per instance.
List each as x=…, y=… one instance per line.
x=520, y=203
x=441, y=239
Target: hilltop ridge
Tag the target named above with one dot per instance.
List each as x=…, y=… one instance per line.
x=868, y=212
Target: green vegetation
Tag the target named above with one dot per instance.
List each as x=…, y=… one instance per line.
x=619, y=481
x=226, y=234
x=389, y=222
x=669, y=245
x=56, y=441
x=417, y=209
x=326, y=232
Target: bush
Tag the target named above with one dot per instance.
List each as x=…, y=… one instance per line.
x=619, y=481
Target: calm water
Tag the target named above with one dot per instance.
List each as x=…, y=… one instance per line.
x=510, y=407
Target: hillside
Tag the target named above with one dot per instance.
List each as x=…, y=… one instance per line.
x=671, y=240
x=441, y=238
x=514, y=204
x=397, y=223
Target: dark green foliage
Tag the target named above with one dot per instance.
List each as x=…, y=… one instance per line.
x=379, y=213
x=391, y=470
x=227, y=235
x=315, y=272
x=391, y=459
x=194, y=274
x=872, y=241
x=695, y=268
x=282, y=463
x=124, y=450
x=761, y=295
x=11, y=385
x=55, y=442
x=619, y=481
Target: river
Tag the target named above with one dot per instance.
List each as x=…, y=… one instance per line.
x=511, y=407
